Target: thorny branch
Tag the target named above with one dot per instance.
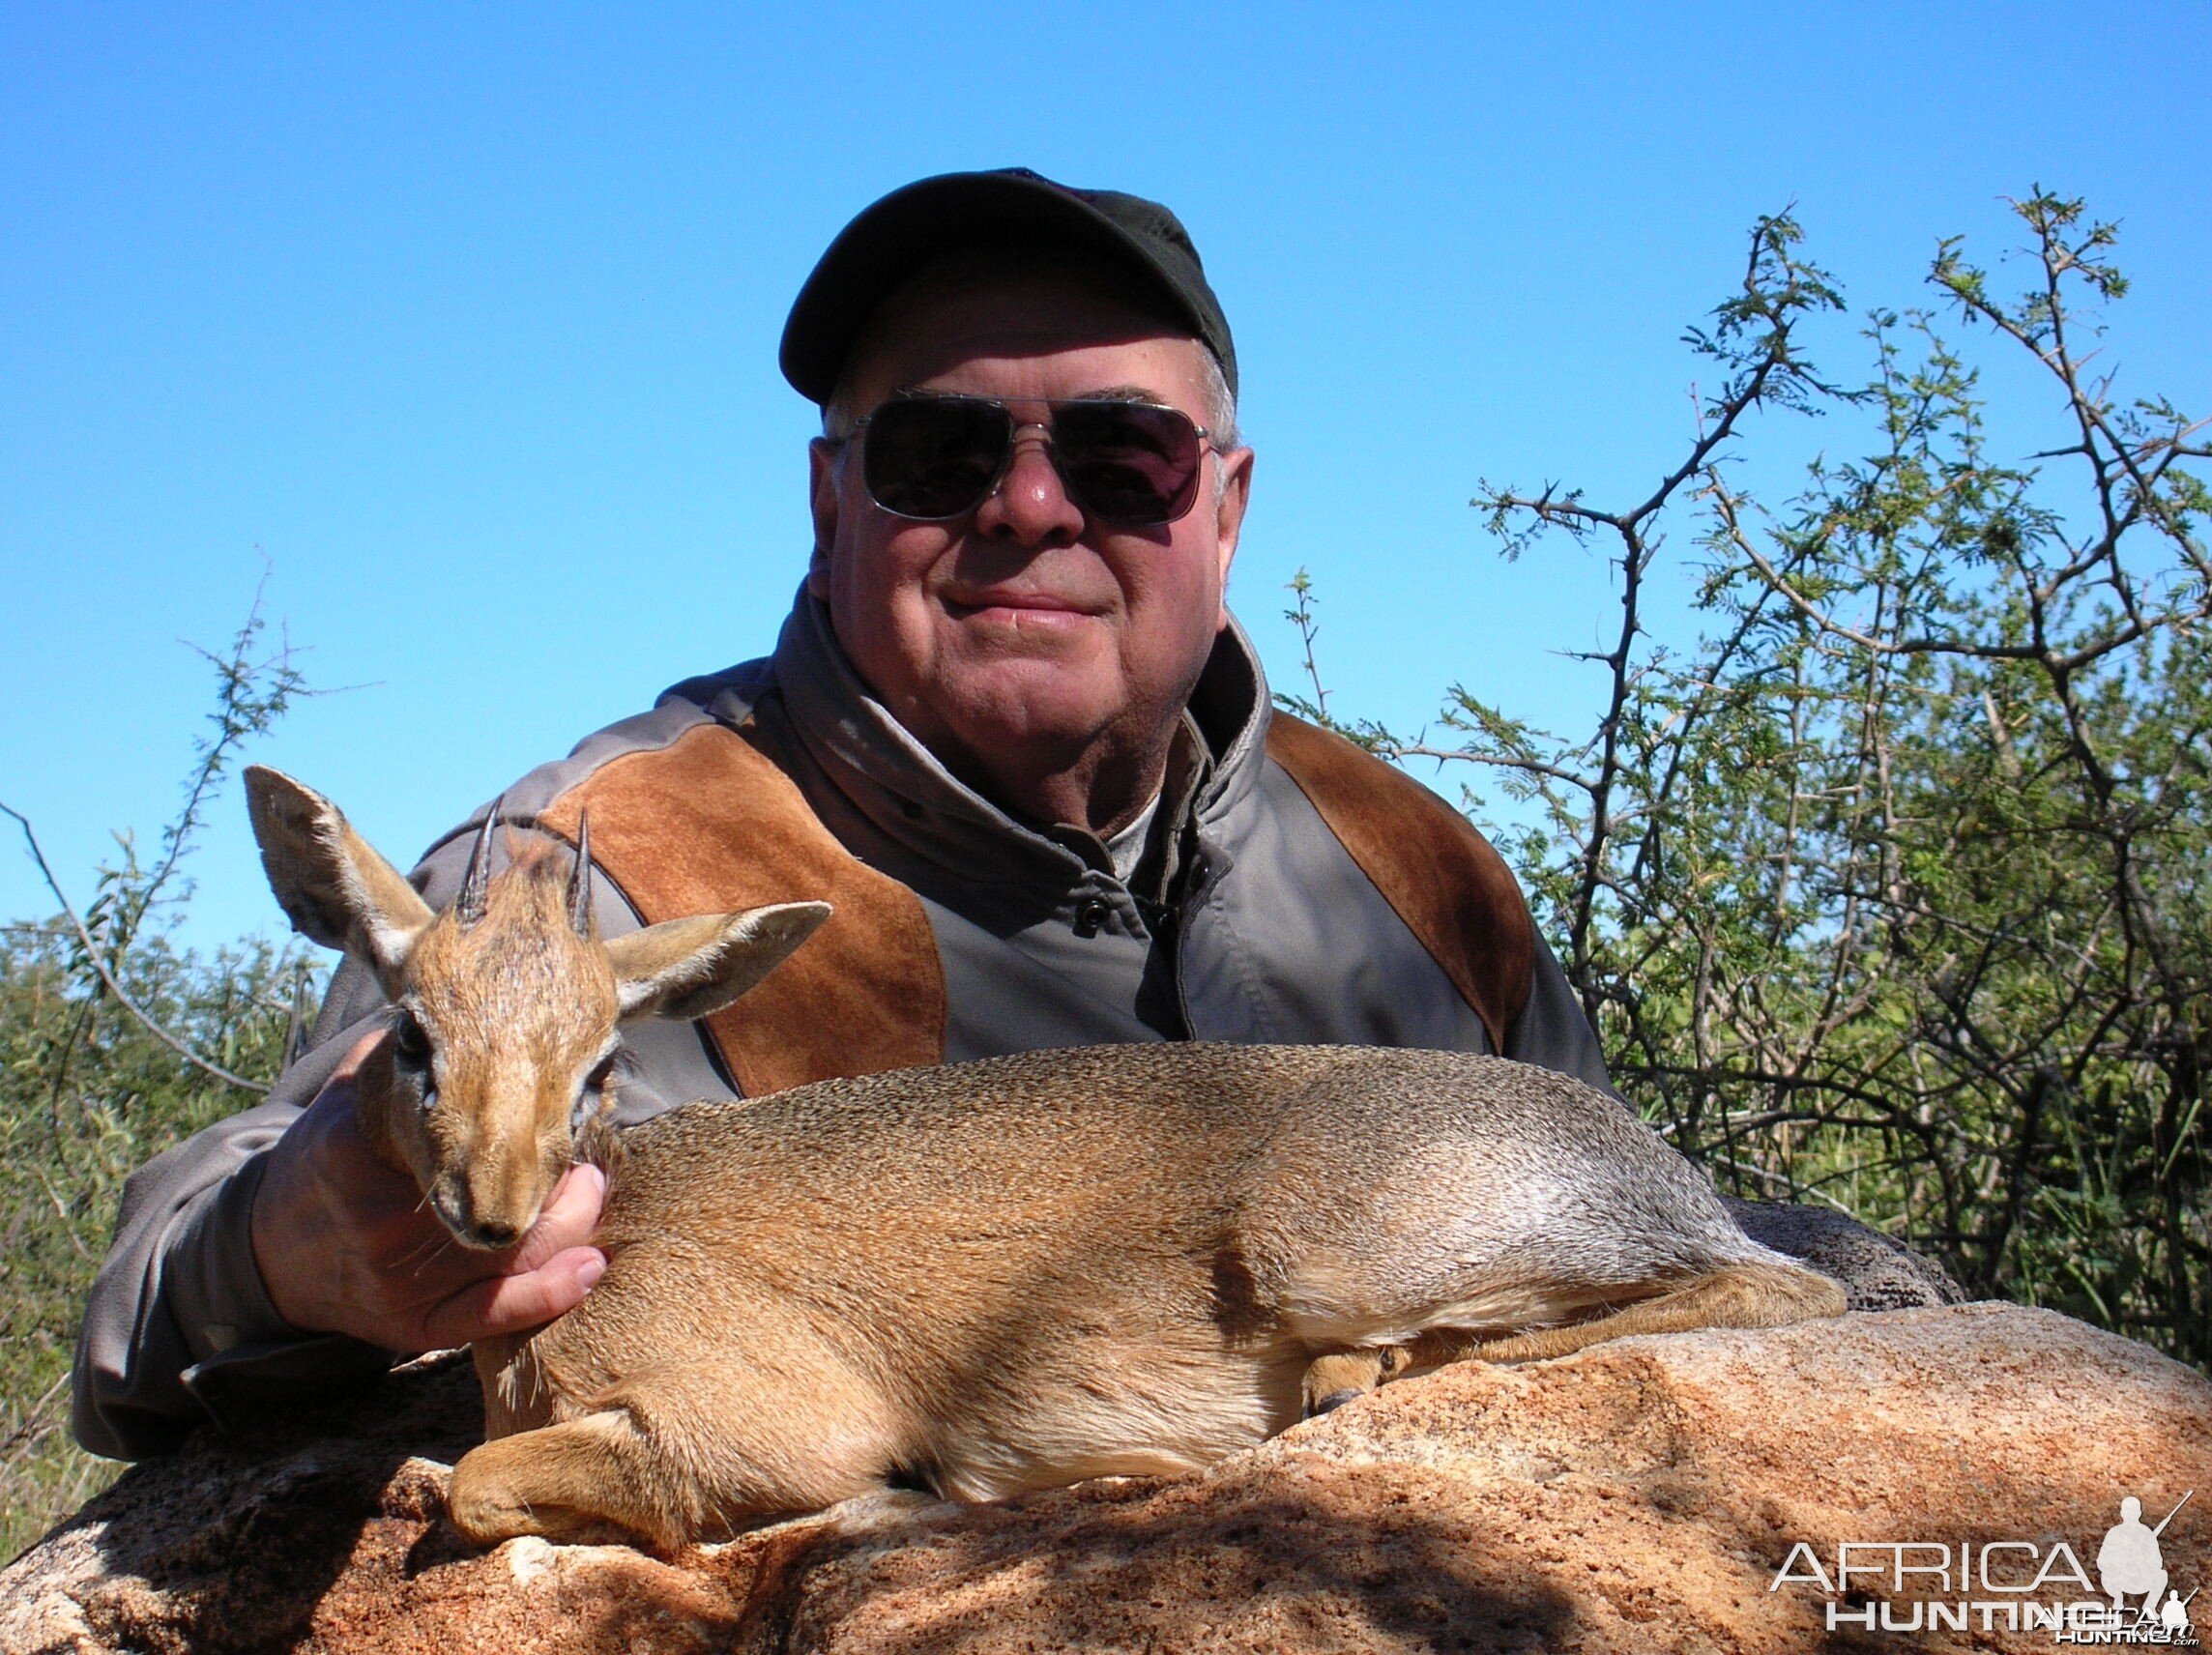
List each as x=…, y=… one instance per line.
x=1896, y=886
x=253, y=691
x=122, y=996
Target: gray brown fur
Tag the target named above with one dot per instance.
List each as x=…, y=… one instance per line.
x=1020, y=1273
x=1877, y=1271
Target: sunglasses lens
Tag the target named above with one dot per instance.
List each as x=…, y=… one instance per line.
x=932, y=457
x=1127, y=463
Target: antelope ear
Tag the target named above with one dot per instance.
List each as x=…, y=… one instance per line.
x=683, y=969
x=334, y=888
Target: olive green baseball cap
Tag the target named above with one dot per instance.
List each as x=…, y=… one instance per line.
x=884, y=248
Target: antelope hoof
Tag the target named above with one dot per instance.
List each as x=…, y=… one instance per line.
x=1330, y=1382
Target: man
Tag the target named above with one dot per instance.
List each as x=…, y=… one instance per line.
x=1010, y=729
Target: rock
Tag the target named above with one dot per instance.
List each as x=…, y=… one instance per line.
x=1641, y=1496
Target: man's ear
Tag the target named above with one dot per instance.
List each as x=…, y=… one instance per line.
x=683, y=969
x=822, y=489
x=1230, y=502
x=332, y=885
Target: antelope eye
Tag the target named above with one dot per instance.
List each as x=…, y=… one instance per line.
x=601, y=1071
x=410, y=1041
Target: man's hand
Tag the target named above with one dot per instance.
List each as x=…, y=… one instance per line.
x=348, y=1245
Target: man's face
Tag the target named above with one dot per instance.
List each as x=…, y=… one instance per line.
x=1024, y=640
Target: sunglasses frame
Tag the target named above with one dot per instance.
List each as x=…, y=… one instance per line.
x=1014, y=429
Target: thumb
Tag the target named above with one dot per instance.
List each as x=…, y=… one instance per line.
x=570, y=1216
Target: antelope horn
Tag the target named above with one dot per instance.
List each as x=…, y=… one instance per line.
x=580, y=882
x=470, y=905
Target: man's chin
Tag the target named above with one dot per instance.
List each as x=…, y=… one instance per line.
x=1033, y=709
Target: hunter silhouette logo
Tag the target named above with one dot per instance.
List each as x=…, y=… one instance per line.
x=2130, y=1562
x=2012, y=1585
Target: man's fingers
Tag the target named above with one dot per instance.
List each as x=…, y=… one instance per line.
x=514, y=1304
x=567, y=1220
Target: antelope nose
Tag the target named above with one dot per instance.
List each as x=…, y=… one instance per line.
x=491, y=1233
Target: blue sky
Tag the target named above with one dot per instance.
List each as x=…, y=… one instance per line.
x=463, y=319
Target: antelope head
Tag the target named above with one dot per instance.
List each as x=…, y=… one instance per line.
x=506, y=1005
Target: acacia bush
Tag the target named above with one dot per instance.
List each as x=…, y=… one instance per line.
x=115, y=1043
x=1892, y=887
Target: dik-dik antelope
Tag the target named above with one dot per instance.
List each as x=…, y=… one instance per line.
x=974, y=1279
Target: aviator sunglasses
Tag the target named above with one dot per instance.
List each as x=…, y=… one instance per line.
x=1130, y=465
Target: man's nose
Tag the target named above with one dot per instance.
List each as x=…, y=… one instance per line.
x=1031, y=503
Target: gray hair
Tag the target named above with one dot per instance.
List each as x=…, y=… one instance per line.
x=1220, y=407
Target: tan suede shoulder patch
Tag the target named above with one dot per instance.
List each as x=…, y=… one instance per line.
x=1453, y=890
x=710, y=824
